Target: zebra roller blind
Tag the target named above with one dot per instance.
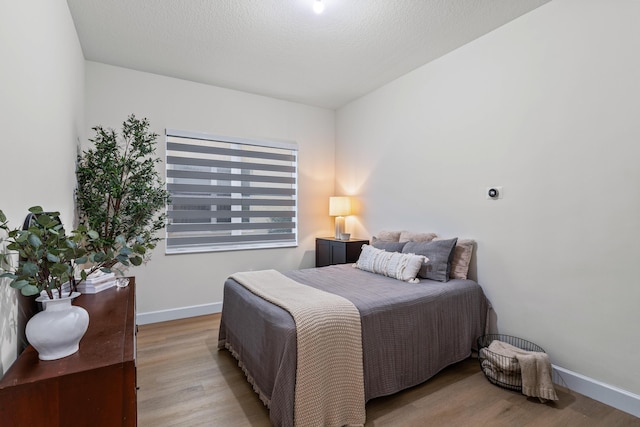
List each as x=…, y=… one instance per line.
x=229, y=193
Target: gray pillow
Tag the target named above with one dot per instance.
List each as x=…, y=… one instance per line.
x=389, y=246
x=439, y=252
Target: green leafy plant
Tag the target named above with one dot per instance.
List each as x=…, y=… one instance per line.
x=120, y=193
x=48, y=257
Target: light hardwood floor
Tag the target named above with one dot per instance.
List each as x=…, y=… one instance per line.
x=185, y=381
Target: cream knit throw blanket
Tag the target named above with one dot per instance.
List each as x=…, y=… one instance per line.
x=329, y=387
x=535, y=368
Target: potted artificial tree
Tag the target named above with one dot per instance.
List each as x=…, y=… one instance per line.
x=47, y=263
x=120, y=193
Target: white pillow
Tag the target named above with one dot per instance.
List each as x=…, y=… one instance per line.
x=400, y=266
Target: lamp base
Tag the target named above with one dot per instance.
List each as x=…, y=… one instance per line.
x=339, y=227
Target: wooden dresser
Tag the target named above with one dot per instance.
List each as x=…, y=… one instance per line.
x=94, y=387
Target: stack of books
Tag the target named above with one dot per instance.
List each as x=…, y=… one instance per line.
x=98, y=281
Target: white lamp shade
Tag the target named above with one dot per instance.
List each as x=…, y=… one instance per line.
x=339, y=206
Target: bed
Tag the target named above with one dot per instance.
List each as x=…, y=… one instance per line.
x=410, y=331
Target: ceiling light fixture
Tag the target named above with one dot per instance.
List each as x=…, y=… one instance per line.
x=318, y=6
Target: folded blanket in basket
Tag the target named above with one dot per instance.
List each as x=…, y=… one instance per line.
x=534, y=367
x=495, y=374
x=500, y=362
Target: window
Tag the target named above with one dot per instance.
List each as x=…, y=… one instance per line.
x=230, y=193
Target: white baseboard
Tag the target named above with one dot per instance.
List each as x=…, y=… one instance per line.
x=605, y=393
x=178, y=313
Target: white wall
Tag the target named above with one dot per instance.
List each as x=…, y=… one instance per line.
x=170, y=282
x=41, y=95
x=547, y=106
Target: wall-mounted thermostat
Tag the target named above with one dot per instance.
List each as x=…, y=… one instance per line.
x=494, y=193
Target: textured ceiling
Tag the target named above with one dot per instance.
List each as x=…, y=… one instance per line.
x=281, y=48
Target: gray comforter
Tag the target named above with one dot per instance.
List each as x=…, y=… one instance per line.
x=409, y=331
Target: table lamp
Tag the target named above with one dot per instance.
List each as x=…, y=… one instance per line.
x=339, y=206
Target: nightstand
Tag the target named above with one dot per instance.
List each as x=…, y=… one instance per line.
x=331, y=251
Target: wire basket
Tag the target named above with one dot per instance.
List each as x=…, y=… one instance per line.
x=501, y=370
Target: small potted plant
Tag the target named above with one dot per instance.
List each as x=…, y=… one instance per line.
x=46, y=254
x=47, y=262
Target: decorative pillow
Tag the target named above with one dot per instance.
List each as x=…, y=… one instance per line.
x=389, y=246
x=387, y=236
x=439, y=253
x=461, y=258
x=409, y=236
x=398, y=265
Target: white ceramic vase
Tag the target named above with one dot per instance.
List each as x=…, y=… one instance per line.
x=56, y=331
